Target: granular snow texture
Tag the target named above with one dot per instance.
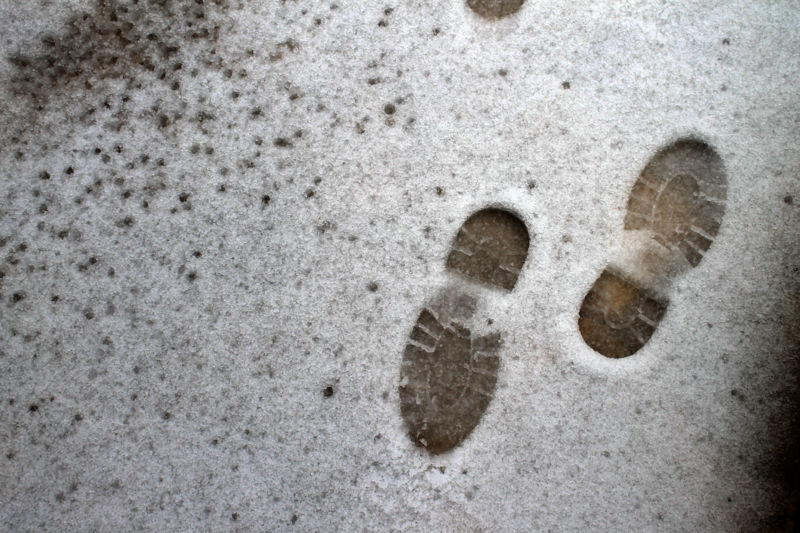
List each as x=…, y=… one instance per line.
x=220, y=220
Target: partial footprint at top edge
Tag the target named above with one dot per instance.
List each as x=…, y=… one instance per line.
x=448, y=374
x=495, y=9
x=678, y=200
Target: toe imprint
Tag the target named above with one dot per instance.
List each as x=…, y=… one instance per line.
x=680, y=198
x=446, y=389
x=679, y=201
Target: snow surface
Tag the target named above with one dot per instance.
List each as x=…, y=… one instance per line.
x=177, y=382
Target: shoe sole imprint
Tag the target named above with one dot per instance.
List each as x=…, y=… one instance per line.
x=674, y=210
x=448, y=374
x=495, y=9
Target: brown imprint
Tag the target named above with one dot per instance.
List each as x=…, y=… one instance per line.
x=495, y=9
x=679, y=200
x=490, y=248
x=448, y=374
x=448, y=380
